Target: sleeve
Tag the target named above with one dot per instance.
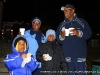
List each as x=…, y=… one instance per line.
x=33, y=45
x=58, y=31
x=13, y=62
x=39, y=53
x=85, y=32
x=33, y=64
x=26, y=34
x=63, y=62
x=63, y=65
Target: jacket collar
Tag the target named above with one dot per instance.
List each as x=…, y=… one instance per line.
x=66, y=20
x=32, y=32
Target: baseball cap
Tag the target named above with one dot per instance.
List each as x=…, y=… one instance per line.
x=68, y=6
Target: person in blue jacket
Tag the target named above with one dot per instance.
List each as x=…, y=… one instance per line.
x=20, y=62
x=35, y=33
x=72, y=33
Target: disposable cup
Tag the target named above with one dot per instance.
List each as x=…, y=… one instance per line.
x=66, y=32
x=22, y=30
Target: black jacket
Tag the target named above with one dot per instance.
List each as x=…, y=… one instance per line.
x=57, y=63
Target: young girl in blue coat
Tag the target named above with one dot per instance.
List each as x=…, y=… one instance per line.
x=20, y=62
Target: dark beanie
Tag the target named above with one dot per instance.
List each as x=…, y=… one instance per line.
x=36, y=18
x=18, y=39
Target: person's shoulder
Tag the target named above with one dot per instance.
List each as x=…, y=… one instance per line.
x=81, y=19
x=27, y=31
x=12, y=55
x=42, y=45
x=61, y=22
x=57, y=44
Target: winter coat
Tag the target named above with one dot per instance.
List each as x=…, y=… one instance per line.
x=74, y=46
x=57, y=63
x=14, y=62
x=30, y=35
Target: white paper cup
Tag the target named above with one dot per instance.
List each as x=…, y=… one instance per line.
x=22, y=30
x=71, y=33
x=70, y=30
x=66, y=32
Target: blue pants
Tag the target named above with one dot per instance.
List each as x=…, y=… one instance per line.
x=36, y=72
x=77, y=68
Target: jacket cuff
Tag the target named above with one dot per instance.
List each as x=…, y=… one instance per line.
x=80, y=33
x=61, y=38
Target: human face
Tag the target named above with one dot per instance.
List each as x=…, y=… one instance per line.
x=51, y=37
x=36, y=25
x=21, y=45
x=69, y=13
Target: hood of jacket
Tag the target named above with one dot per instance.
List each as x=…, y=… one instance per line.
x=14, y=49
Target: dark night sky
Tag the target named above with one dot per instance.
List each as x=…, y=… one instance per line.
x=49, y=11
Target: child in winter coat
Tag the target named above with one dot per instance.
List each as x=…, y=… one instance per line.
x=20, y=62
x=51, y=57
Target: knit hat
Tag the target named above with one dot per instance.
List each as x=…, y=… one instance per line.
x=50, y=31
x=36, y=18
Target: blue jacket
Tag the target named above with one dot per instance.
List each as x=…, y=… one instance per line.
x=74, y=46
x=14, y=62
x=30, y=35
x=34, y=44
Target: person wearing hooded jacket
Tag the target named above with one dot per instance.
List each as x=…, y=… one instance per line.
x=51, y=57
x=20, y=62
x=72, y=34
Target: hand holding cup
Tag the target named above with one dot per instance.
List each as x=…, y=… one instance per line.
x=71, y=31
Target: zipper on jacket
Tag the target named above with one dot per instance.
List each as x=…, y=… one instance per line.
x=26, y=70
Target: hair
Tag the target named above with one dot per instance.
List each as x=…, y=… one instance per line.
x=18, y=39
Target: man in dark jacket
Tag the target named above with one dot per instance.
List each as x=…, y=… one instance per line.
x=72, y=33
x=50, y=55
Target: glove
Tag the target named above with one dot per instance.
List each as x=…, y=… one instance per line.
x=29, y=54
x=28, y=59
x=49, y=57
x=23, y=63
